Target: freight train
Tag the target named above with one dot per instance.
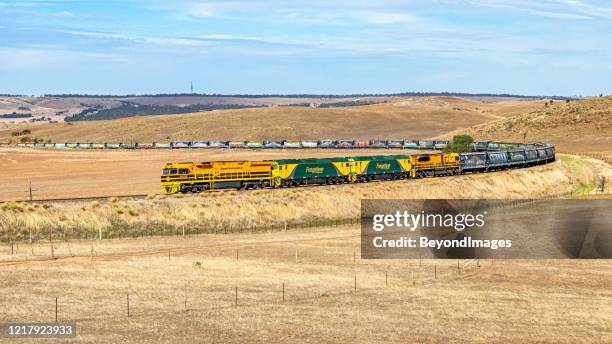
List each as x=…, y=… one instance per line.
x=200, y=176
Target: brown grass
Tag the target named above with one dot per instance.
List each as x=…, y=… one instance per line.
x=242, y=210
x=565, y=301
x=80, y=173
x=577, y=126
x=418, y=117
x=502, y=301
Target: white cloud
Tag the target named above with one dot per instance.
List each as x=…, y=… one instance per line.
x=32, y=58
x=558, y=15
x=64, y=14
x=327, y=12
x=203, y=11
x=144, y=39
x=384, y=17
x=558, y=9
x=174, y=41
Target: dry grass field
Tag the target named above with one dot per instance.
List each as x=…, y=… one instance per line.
x=82, y=173
x=577, y=126
x=418, y=117
x=190, y=294
x=226, y=285
x=231, y=211
x=57, y=108
x=215, y=288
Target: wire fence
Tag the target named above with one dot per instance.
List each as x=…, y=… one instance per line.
x=202, y=296
x=22, y=233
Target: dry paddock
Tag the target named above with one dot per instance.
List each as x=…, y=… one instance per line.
x=69, y=173
x=229, y=288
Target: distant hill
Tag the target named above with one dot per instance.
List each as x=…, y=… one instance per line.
x=102, y=107
x=415, y=117
x=583, y=125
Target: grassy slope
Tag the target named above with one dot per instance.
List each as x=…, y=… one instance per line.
x=565, y=301
x=237, y=210
x=407, y=118
x=584, y=125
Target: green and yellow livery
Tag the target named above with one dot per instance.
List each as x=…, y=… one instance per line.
x=200, y=176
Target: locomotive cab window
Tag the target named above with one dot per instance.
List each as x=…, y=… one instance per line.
x=183, y=171
x=423, y=158
x=166, y=171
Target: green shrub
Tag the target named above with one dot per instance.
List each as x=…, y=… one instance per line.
x=460, y=144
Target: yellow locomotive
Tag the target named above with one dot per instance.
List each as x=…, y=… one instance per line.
x=201, y=176
x=429, y=165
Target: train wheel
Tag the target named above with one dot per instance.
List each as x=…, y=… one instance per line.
x=352, y=178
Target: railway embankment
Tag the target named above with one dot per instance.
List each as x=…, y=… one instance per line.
x=267, y=209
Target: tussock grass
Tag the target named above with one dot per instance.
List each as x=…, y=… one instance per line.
x=514, y=300
x=232, y=211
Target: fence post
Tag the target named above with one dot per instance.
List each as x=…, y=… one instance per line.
x=458, y=268
x=236, y=254
x=386, y=278
x=128, y=304
x=236, y=297
x=435, y=271
x=355, y=281
x=283, y=291
x=168, y=254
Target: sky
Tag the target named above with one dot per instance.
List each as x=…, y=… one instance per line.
x=546, y=47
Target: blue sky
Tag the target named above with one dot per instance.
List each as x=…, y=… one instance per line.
x=546, y=47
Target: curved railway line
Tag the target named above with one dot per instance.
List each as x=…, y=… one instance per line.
x=475, y=162
x=196, y=177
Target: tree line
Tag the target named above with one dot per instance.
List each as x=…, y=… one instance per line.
x=304, y=95
x=130, y=110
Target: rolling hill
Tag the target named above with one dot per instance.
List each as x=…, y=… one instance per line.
x=575, y=126
x=416, y=117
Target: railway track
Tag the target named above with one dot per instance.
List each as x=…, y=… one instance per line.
x=141, y=196
x=137, y=196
